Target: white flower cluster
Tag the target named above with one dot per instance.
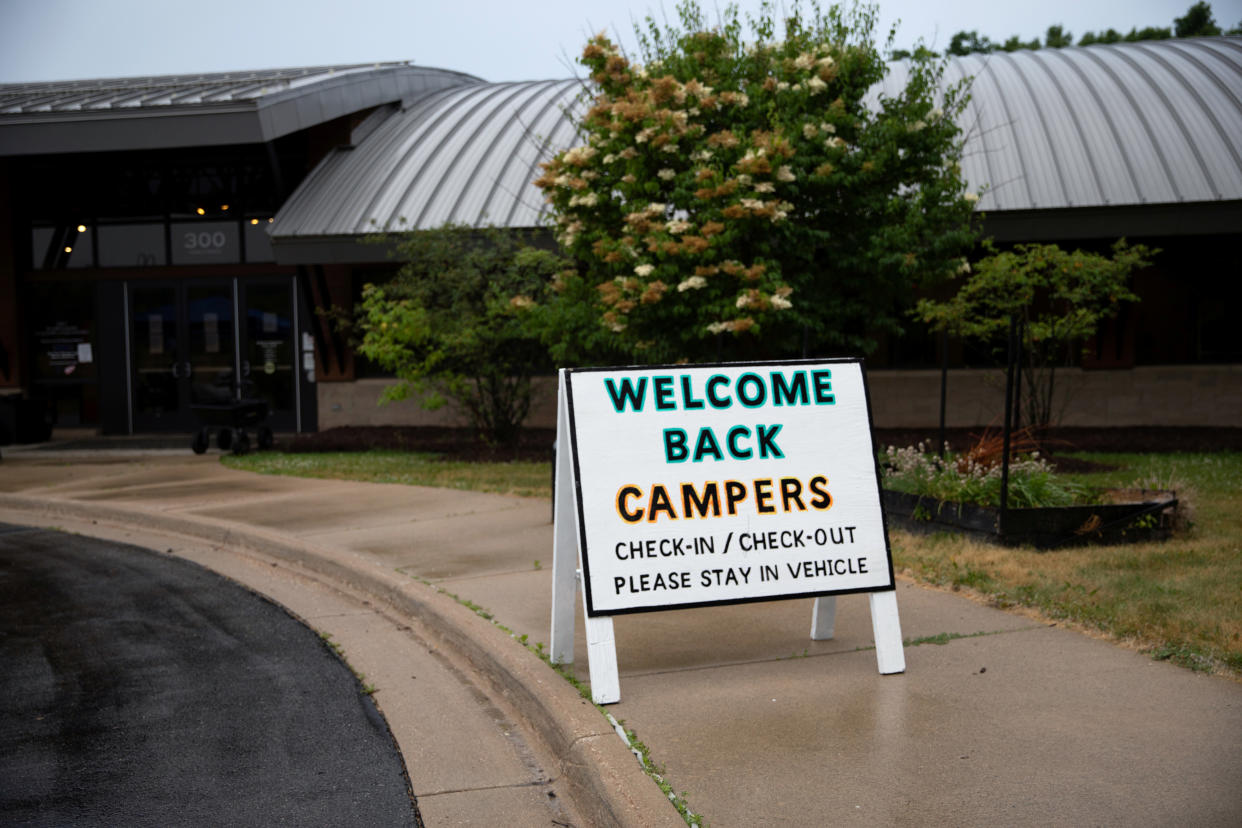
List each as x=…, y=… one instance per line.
x=578, y=156
x=692, y=283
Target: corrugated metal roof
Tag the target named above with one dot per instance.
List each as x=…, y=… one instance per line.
x=1157, y=122
x=217, y=108
x=465, y=155
x=169, y=90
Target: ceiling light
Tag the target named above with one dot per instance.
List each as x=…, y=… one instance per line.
x=201, y=211
x=68, y=249
x=224, y=207
x=81, y=228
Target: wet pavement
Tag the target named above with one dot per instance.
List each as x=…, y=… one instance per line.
x=141, y=689
x=999, y=719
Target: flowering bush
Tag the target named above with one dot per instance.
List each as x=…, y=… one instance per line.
x=742, y=196
x=1033, y=483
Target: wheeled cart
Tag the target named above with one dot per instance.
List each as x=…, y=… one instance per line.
x=229, y=421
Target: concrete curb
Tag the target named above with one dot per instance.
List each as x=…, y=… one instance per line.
x=608, y=785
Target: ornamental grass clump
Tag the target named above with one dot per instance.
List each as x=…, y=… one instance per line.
x=1033, y=482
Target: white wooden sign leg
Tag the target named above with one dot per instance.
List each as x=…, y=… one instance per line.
x=564, y=540
x=602, y=657
x=886, y=626
x=823, y=618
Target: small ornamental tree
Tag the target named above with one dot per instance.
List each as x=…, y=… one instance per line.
x=748, y=196
x=1057, y=298
x=452, y=325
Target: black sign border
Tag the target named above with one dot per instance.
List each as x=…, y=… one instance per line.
x=584, y=557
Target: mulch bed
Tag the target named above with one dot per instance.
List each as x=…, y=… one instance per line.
x=536, y=443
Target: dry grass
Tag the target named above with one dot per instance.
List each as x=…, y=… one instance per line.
x=1180, y=599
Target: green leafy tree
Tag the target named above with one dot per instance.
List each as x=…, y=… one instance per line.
x=452, y=325
x=969, y=43
x=1149, y=33
x=1197, y=22
x=1057, y=297
x=1107, y=36
x=1057, y=38
x=1015, y=43
x=739, y=196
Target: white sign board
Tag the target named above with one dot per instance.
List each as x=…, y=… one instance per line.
x=702, y=485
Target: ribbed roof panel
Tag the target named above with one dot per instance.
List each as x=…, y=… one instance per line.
x=174, y=90
x=467, y=155
x=1157, y=122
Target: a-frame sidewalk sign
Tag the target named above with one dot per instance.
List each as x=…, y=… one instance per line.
x=684, y=486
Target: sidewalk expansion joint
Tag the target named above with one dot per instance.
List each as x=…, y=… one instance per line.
x=535, y=783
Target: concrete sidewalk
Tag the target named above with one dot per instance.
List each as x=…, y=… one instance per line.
x=1018, y=723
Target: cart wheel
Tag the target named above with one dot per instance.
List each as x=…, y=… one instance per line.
x=241, y=443
x=224, y=438
x=201, y=440
x=266, y=439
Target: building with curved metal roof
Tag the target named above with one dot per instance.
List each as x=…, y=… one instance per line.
x=162, y=239
x=1156, y=123
x=201, y=110
x=465, y=155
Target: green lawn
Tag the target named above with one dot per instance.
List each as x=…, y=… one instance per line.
x=1180, y=599
x=517, y=478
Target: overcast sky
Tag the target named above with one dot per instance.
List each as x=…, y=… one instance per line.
x=494, y=39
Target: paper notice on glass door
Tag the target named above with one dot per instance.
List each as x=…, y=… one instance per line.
x=211, y=333
x=155, y=334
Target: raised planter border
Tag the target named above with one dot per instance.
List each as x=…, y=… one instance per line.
x=1051, y=528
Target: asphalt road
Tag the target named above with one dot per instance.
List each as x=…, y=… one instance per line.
x=139, y=689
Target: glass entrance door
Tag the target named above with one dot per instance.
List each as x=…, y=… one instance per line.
x=183, y=351
x=270, y=356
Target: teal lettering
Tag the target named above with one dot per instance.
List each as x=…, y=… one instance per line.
x=688, y=402
x=760, y=395
x=628, y=395
x=731, y=441
x=784, y=393
x=663, y=392
x=675, y=449
x=823, y=387
x=767, y=444
x=715, y=400
x=707, y=445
